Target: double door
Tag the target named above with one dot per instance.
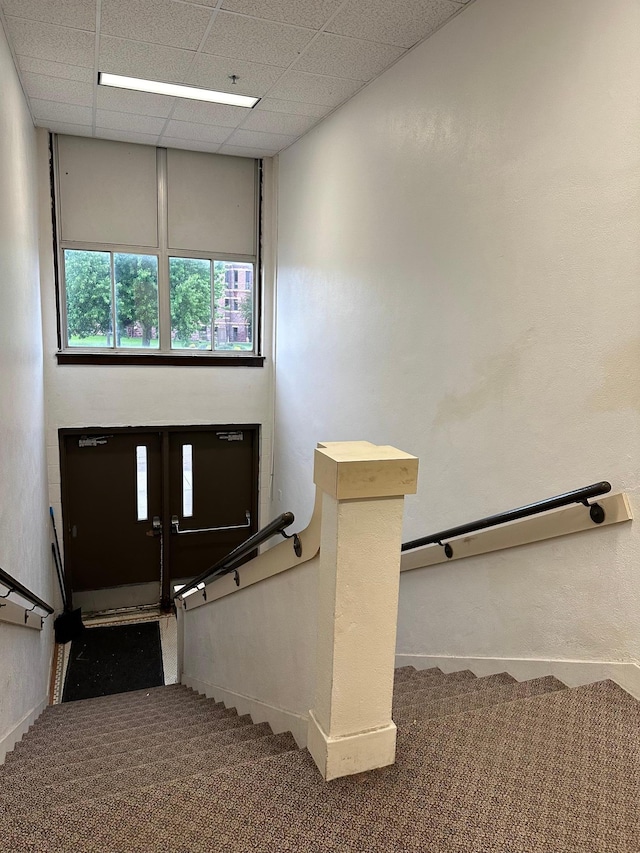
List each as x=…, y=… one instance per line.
x=143, y=508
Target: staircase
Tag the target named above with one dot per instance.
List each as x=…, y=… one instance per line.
x=483, y=764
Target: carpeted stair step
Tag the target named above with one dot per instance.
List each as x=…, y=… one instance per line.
x=141, y=705
x=556, y=772
x=417, y=674
x=39, y=777
x=428, y=678
x=26, y=762
x=450, y=687
x=33, y=742
x=23, y=798
x=402, y=672
x=84, y=706
x=410, y=715
x=58, y=726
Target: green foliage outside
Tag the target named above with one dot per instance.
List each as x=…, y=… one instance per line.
x=88, y=292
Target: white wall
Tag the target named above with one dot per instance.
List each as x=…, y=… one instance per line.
x=88, y=395
x=256, y=649
x=24, y=541
x=458, y=277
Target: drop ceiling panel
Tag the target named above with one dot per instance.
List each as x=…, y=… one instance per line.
x=239, y=151
x=55, y=69
x=61, y=127
x=156, y=21
x=80, y=14
x=58, y=44
x=126, y=136
x=311, y=88
x=189, y=144
x=213, y=72
x=129, y=122
x=291, y=125
x=255, y=40
x=303, y=58
x=55, y=89
x=255, y=139
x=401, y=24
x=304, y=13
x=157, y=62
x=202, y=132
x=347, y=57
x=140, y=103
x=292, y=107
x=203, y=113
x=53, y=111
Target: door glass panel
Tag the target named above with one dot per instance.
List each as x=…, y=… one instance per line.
x=233, y=283
x=141, y=483
x=191, y=303
x=136, y=278
x=187, y=480
x=87, y=277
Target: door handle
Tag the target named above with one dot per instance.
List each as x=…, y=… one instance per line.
x=156, y=528
x=175, y=526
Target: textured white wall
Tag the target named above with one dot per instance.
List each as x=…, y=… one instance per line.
x=24, y=541
x=87, y=395
x=260, y=642
x=458, y=276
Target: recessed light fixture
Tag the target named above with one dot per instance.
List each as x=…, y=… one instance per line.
x=176, y=90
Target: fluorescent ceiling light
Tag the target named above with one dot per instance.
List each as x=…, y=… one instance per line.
x=176, y=90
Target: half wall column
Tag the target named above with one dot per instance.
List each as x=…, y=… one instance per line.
x=363, y=486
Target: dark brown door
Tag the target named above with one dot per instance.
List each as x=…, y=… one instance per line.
x=112, y=490
x=213, y=496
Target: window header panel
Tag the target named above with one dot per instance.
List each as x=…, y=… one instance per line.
x=107, y=192
x=211, y=202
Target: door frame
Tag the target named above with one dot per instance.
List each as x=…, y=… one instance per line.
x=164, y=432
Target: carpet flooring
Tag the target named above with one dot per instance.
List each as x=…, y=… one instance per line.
x=484, y=765
x=114, y=659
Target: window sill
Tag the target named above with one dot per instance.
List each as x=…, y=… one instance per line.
x=160, y=359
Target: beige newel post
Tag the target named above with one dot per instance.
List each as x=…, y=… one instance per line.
x=363, y=486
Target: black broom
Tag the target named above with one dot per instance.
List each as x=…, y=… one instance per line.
x=68, y=625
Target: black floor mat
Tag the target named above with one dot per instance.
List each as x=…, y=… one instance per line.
x=114, y=660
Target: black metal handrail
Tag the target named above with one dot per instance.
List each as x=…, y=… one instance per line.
x=575, y=497
x=15, y=586
x=230, y=563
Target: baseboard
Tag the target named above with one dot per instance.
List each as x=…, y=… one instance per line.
x=261, y=712
x=18, y=731
x=572, y=672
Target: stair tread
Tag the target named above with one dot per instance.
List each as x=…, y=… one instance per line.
x=23, y=798
x=16, y=762
x=449, y=688
x=426, y=677
x=516, y=781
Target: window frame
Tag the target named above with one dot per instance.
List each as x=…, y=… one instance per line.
x=164, y=354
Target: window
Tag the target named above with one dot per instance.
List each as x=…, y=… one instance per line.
x=149, y=241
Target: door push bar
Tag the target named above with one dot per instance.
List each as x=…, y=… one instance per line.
x=175, y=526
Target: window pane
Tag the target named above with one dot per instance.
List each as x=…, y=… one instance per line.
x=187, y=480
x=136, y=279
x=88, y=291
x=190, y=289
x=141, y=483
x=234, y=305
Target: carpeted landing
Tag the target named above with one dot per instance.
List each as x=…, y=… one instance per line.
x=484, y=765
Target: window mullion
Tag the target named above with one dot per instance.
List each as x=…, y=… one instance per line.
x=164, y=298
x=114, y=329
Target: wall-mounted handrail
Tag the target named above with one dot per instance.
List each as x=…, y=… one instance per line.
x=230, y=562
x=16, y=587
x=576, y=496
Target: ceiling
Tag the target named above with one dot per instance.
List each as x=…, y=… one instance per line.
x=302, y=57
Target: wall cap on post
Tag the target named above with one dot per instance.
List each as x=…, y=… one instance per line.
x=359, y=469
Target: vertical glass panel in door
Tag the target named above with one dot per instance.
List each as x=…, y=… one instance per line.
x=87, y=277
x=234, y=305
x=136, y=278
x=191, y=303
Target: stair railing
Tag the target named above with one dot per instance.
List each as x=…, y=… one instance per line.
x=14, y=587
x=577, y=496
x=230, y=563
